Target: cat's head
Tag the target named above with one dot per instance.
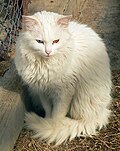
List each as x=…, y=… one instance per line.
x=46, y=32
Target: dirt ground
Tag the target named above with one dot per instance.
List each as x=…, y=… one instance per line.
x=103, y=16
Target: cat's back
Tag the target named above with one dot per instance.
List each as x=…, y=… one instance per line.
x=86, y=40
x=81, y=30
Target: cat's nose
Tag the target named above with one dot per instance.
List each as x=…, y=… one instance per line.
x=48, y=51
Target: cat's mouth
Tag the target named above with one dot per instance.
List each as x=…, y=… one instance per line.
x=47, y=56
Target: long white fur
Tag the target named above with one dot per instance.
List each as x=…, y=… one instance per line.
x=77, y=71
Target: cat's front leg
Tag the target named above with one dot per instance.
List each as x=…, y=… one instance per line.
x=61, y=105
x=46, y=105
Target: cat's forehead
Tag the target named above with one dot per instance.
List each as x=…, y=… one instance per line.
x=49, y=28
x=48, y=18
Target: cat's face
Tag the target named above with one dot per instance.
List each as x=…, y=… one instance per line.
x=46, y=35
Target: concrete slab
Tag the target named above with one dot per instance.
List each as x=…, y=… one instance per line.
x=11, y=110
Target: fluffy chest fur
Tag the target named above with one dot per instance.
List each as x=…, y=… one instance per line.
x=43, y=74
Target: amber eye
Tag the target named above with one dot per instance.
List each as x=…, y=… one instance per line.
x=40, y=41
x=55, y=41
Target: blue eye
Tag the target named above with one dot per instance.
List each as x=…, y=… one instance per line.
x=40, y=41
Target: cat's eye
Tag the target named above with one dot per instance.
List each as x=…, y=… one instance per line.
x=55, y=41
x=40, y=41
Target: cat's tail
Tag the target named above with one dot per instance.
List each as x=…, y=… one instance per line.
x=59, y=130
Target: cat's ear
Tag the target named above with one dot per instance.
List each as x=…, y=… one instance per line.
x=28, y=22
x=64, y=21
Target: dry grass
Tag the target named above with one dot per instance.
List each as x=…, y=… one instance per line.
x=107, y=140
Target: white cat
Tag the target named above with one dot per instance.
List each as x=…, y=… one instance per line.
x=66, y=63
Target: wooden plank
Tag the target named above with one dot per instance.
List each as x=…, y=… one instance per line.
x=63, y=7
x=48, y=5
x=11, y=109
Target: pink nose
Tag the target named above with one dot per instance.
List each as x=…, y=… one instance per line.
x=48, y=51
